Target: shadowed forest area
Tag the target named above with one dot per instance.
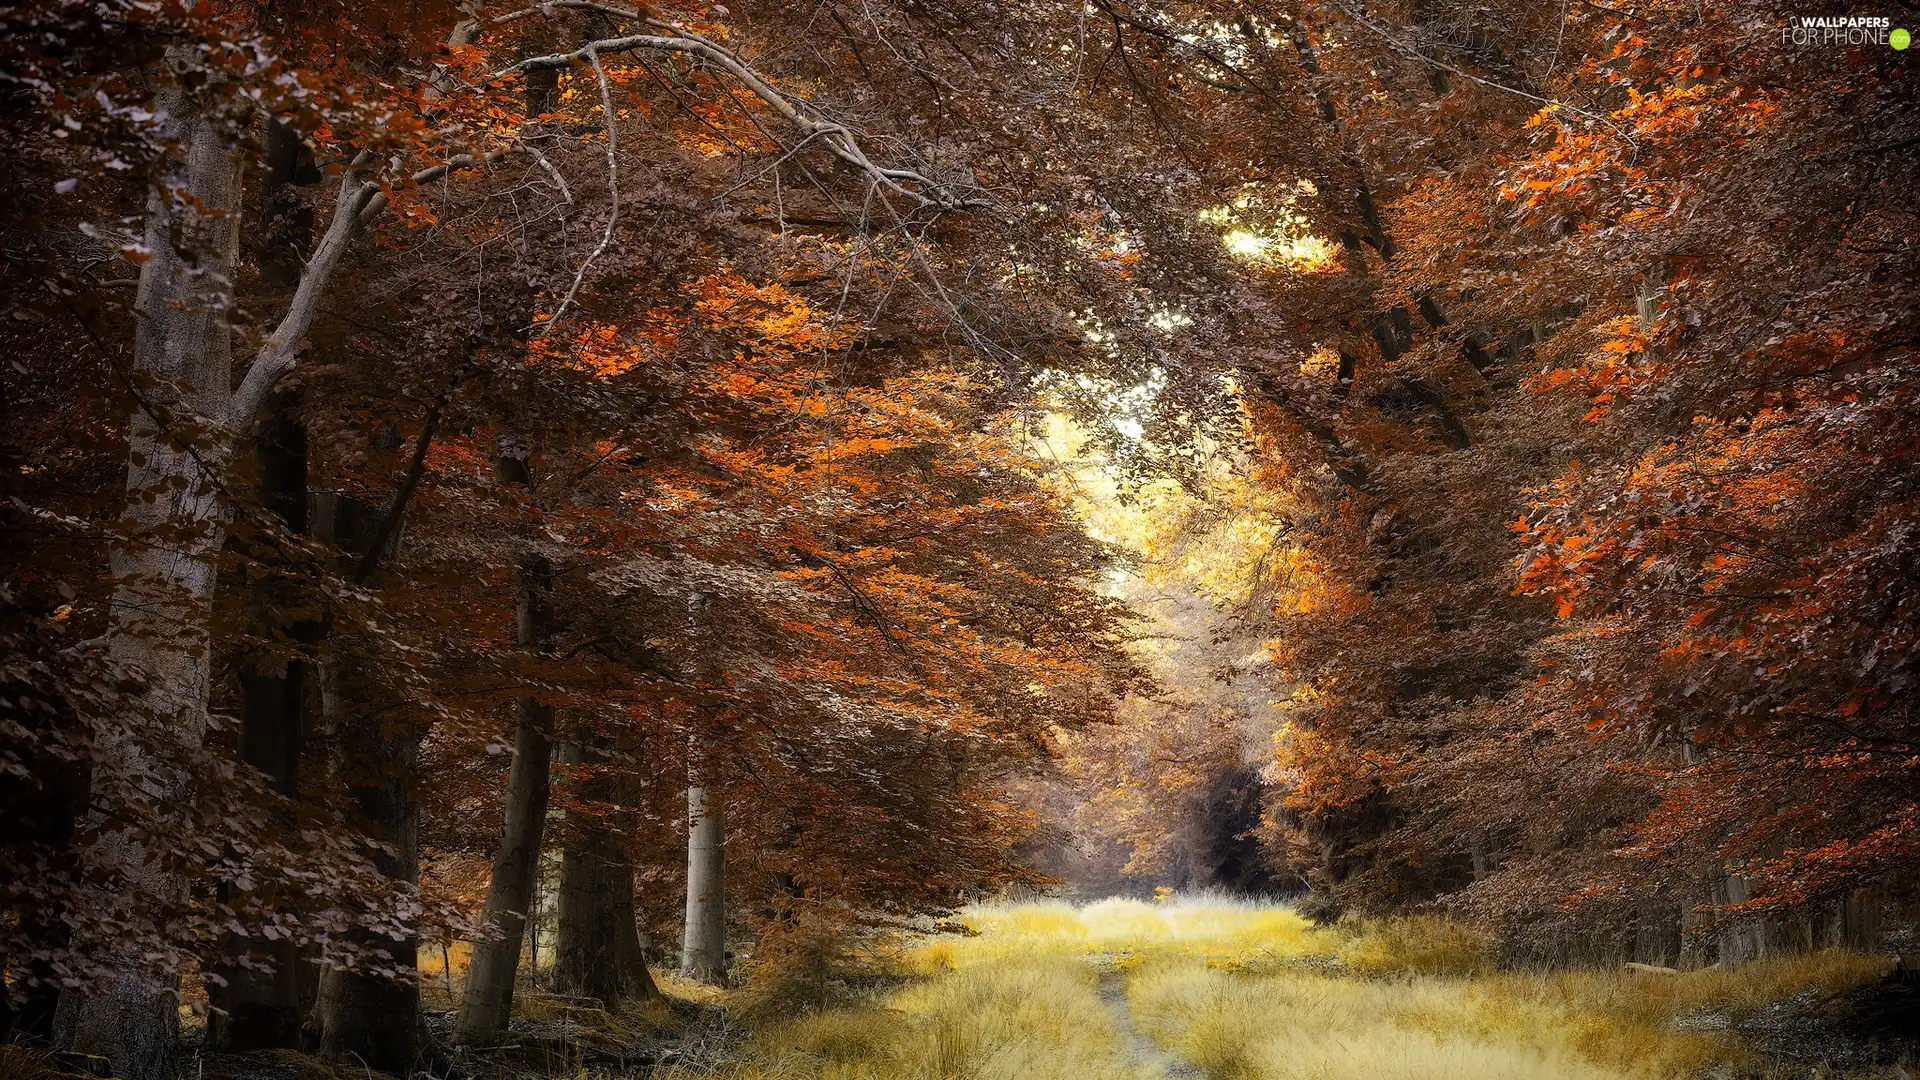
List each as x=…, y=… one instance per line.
x=988, y=539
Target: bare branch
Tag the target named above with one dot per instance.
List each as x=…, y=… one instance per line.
x=377, y=204
x=614, y=10
x=360, y=201
x=1413, y=51
x=276, y=357
x=1186, y=43
x=559, y=182
x=613, y=196
x=914, y=185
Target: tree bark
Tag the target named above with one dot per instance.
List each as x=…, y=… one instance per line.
x=1748, y=939
x=364, y=1018
x=488, y=1003
x=598, y=948
x=180, y=439
x=255, y=1007
x=630, y=948
x=288, y=227
x=1694, y=945
x=1855, y=921
x=157, y=621
x=1656, y=936
x=703, y=950
x=586, y=960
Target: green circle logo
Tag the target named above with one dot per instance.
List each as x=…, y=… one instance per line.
x=1900, y=39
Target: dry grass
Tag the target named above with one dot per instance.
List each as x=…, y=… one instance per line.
x=674, y=985
x=1624, y=1018
x=1307, y=1027
x=1416, y=945
x=1254, y=992
x=1036, y=1019
x=1465, y=1021
x=19, y=1062
x=1117, y=931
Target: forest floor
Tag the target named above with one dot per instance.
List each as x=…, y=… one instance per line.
x=1125, y=990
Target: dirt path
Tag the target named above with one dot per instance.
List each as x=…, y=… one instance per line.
x=1143, y=1052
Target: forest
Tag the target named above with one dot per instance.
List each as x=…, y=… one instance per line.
x=905, y=540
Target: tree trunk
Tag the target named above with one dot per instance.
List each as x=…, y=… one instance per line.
x=1748, y=939
x=1656, y=937
x=1481, y=858
x=365, y=1019
x=258, y=1007
x=288, y=227
x=370, y=1021
x=630, y=948
x=587, y=959
x=1855, y=922
x=157, y=622
x=255, y=1008
x=703, y=950
x=1694, y=946
x=489, y=996
x=1752, y=937
x=598, y=946
x=488, y=1003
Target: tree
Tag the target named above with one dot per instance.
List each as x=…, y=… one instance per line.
x=489, y=991
x=703, y=949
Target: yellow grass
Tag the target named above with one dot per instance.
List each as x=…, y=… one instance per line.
x=1420, y=945
x=1119, y=930
x=1576, y=1025
x=1311, y=1027
x=1316, y=1028
x=1626, y=1018
x=1037, y=1019
x=1254, y=992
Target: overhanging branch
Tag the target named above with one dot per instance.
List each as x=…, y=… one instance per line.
x=923, y=190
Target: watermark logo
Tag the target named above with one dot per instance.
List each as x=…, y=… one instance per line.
x=1844, y=30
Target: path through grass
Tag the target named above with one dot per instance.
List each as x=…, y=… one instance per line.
x=1123, y=990
x=1142, y=1051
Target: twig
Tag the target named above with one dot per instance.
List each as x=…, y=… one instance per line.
x=1411, y=50
x=923, y=190
x=613, y=193
x=417, y=468
x=560, y=182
